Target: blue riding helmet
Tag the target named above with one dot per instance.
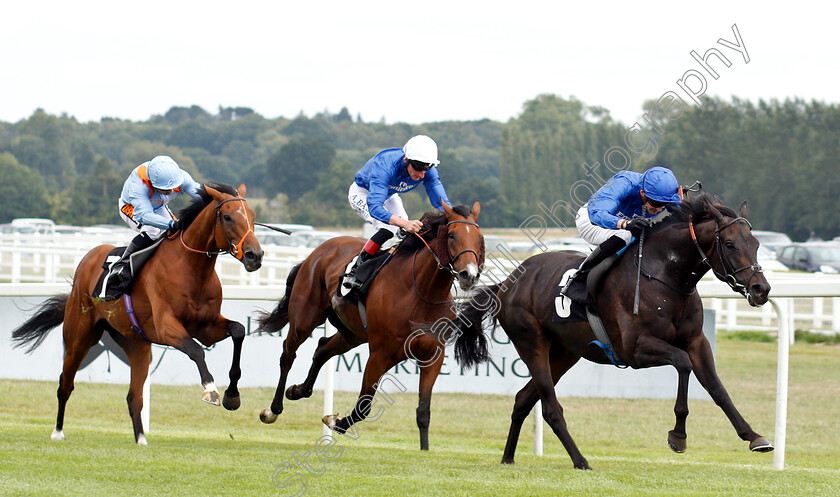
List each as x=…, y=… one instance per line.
x=660, y=184
x=164, y=173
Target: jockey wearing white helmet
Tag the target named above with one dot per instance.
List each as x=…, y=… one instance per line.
x=374, y=193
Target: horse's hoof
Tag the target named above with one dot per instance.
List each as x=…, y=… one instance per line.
x=211, y=397
x=141, y=440
x=676, y=442
x=761, y=444
x=330, y=420
x=507, y=461
x=57, y=435
x=267, y=417
x=231, y=402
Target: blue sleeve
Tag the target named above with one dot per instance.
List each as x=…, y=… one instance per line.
x=190, y=186
x=144, y=212
x=606, y=202
x=434, y=188
x=378, y=189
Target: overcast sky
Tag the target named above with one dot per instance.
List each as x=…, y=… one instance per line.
x=405, y=61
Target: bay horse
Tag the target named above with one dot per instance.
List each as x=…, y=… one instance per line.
x=699, y=235
x=411, y=292
x=176, y=298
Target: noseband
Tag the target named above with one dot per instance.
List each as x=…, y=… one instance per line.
x=729, y=271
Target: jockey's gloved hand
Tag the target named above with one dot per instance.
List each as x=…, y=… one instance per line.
x=174, y=227
x=637, y=225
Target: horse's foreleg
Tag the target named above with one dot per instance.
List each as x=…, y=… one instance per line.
x=328, y=347
x=700, y=354
x=237, y=335
x=651, y=351
x=428, y=375
x=194, y=351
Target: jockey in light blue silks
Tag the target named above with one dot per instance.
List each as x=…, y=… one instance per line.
x=622, y=208
x=143, y=206
x=374, y=193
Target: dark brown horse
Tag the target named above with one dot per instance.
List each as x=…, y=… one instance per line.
x=700, y=235
x=177, y=298
x=410, y=294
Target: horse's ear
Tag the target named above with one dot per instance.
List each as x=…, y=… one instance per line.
x=714, y=212
x=241, y=189
x=476, y=208
x=215, y=194
x=447, y=210
x=744, y=209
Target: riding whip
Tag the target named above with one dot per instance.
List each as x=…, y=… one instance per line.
x=638, y=274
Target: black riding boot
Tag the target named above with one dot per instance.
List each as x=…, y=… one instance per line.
x=119, y=277
x=601, y=252
x=369, y=250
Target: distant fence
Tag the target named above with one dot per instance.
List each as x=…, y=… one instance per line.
x=38, y=258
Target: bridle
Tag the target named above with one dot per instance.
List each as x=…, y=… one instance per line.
x=729, y=271
x=233, y=249
x=448, y=266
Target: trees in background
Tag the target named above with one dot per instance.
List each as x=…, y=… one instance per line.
x=779, y=156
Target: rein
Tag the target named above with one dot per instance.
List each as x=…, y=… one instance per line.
x=233, y=249
x=448, y=267
x=729, y=272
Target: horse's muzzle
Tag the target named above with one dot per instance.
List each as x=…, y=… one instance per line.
x=758, y=294
x=252, y=260
x=468, y=277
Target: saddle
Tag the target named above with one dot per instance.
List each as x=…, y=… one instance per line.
x=366, y=272
x=578, y=303
x=136, y=262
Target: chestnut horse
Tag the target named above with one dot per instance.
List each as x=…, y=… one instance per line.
x=177, y=298
x=412, y=291
x=699, y=235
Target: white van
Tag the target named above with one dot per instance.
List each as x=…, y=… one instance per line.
x=34, y=225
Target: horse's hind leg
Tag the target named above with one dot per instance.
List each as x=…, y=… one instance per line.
x=561, y=361
x=79, y=336
x=376, y=366
x=700, y=354
x=533, y=347
x=328, y=347
x=139, y=354
x=293, y=341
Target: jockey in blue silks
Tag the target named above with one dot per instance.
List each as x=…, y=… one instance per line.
x=622, y=208
x=143, y=206
x=374, y=193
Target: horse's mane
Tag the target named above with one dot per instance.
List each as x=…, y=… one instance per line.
x=432, y=220
x=188, y=214
x=696, y=208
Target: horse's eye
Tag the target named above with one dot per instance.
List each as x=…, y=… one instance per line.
x=227, y=217
x=451, y=236
x=730, y=245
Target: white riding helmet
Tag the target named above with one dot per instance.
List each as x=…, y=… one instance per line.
x=164, y=173
x=421, y=148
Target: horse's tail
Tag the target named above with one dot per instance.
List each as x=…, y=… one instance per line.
x=279, y=317
x=35, y=330
x=471, y=344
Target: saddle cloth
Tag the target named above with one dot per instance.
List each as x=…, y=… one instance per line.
x=572, y=306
